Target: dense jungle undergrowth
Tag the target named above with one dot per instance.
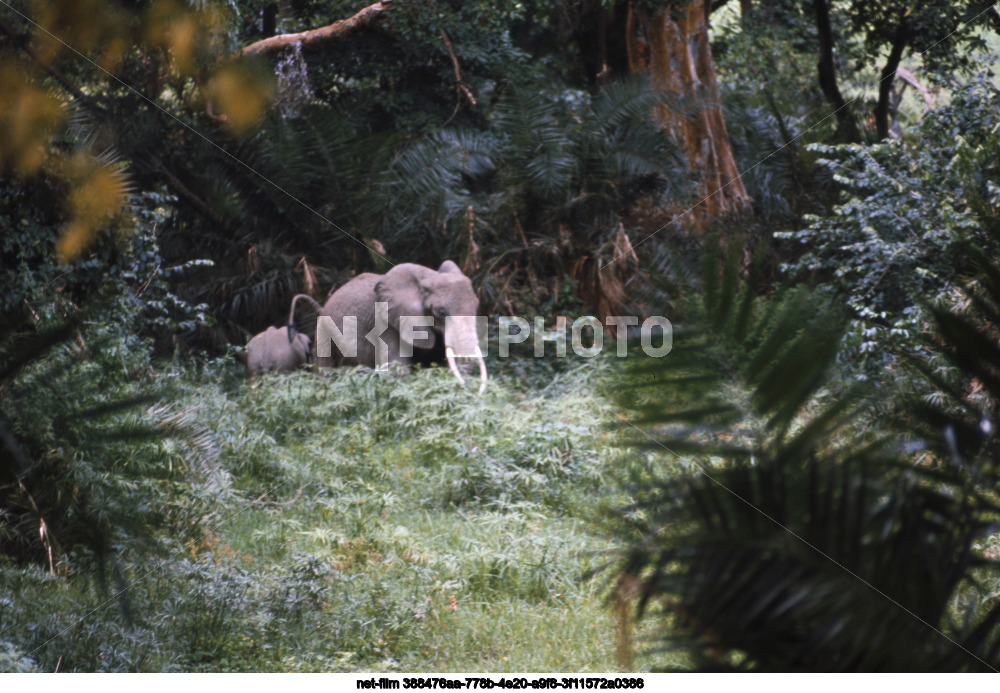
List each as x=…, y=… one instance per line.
x=343, y=523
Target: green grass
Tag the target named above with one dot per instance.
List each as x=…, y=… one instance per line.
x=354, y=522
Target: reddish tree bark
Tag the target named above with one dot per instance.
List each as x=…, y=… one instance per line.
x=673, y=48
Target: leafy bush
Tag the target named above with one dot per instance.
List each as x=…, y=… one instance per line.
x=82, y=474
x=895, y=242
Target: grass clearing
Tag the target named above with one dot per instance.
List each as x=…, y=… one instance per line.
x=355, y=522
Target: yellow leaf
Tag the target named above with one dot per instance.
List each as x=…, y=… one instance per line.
x=28, y=117
x=97, y=194
x=73, y=240
x=242, y=94
x=185, y=33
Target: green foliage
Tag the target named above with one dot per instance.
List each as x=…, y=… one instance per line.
x=147, y=280
x=466, y=454
x=80, y=473
x=14, y=661
x=896, y=240
x=402, y=77
x=745, y=366
x=876, y=24
x=73, y=366
x=774, y=110
x=577, y=156
x=296, y=198
x=803, y=534
x=83, y=475
x=559, y=170
x=29, y=221
x=355, y=521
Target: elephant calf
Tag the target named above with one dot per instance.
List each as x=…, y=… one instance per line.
x=274, y=350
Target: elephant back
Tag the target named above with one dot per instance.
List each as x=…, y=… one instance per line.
x=356, y=297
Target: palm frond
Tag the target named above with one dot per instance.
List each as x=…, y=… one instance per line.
x=806, y=539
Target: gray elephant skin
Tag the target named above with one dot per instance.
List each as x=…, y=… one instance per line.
x=278, y=350
x=409, y=290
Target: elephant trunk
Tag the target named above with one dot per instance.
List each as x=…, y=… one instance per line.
x=462, y=341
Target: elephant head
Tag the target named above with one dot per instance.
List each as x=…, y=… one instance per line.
x=447, y=297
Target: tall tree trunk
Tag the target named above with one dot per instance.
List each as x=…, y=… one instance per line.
x=673, y=48
x=828, y=73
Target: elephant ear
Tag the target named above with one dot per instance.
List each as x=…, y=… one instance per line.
x=402, y=288
x=449, y=267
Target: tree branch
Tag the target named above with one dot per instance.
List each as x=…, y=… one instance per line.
x=899, y=43
x=911, y=79
x=185, y=193
x=460, y=88
x=308, y=39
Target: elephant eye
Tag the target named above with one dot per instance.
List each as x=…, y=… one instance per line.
x=439, y=312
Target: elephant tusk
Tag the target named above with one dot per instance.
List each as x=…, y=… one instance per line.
x=482, y=370
x=450, y=355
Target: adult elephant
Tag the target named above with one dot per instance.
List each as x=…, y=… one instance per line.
x=443, y=300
